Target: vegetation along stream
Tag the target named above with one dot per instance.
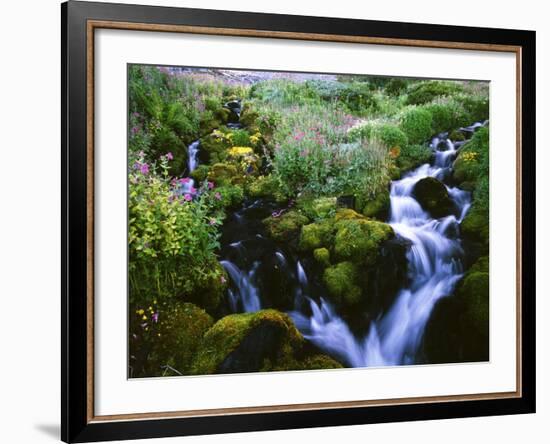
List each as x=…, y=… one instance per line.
x=295, y=221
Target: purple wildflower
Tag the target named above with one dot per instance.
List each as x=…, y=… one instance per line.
x=210, y=185
x=155, y=317
x=188, y=197
x=169, y=155
x=218, y=196
x=144, y=168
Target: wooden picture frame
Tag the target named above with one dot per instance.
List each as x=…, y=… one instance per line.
x=79, y=22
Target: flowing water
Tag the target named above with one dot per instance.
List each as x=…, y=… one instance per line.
x=434, y=258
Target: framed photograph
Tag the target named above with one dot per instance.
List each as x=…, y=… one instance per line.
x=276, y=221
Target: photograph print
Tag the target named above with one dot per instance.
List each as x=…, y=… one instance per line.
x=285, y=221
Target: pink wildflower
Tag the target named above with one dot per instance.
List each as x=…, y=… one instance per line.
x=169, y=155
x=188, y=197
x=144, y=168
x=218, y=196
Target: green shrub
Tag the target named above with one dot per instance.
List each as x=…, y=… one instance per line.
x=396, y=86
x=416, y=123
x=239, y=137
x=172, y=239
x=424, y=92
x=412, y=156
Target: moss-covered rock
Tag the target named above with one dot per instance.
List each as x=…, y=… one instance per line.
x=286, y=226
x=359, y=240
x=412, y=156
x=266, y=340
x=432, y=195
x=472, y=162
x=475, y=226
x=458, y=330
x=377, y=206
x=322, y=256
x=316, y=235
x=340, y=280
x=222, y=173
x=317, y=208
x=347, y=214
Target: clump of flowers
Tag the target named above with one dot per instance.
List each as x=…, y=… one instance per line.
x=470, y=156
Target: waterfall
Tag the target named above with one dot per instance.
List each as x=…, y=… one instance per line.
x=192, y=151
x=434, y=262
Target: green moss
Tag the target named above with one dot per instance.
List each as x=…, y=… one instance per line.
x=474, y=290
x=433, y=197
x=320, y=208
x=286, y=226
x=456, y=136
x=475, y=226
x=222, y=173
x=181, y=327
x=359, y=239
x=390, y=135
x=416, y=123
x=315, y=235
x=442, y=117
x=347, y=214
x=322, y=255
x=340, y=280
x=266, y=340
x=377, y=206
x=481, y=265
x=319, y=362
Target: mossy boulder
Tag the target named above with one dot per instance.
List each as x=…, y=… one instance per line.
x=285, y=227
x=378, y=206
x=317, y=208
x=412, y=156
x=266, y=340
x=213, y=119
x=341, y=282
x=322, y=256
x=347, y=214
x=475, y=228
x=316, y=235
x=359, y=239
x=432, y=195
x=458, y=330
x=222, y=173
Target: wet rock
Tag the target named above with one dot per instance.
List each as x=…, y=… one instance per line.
x=432, y=195
x=266, y=340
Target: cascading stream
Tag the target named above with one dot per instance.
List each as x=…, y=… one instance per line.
x=434, y=267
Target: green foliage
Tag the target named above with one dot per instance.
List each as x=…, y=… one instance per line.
x=172, y=238
x=416, y=123
x=412, y=156
x=426, y=91
x=390, y=135
x=316, y=235
x=396, y=86
x=166, y=341
x=239, y=137
x=472, y=163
